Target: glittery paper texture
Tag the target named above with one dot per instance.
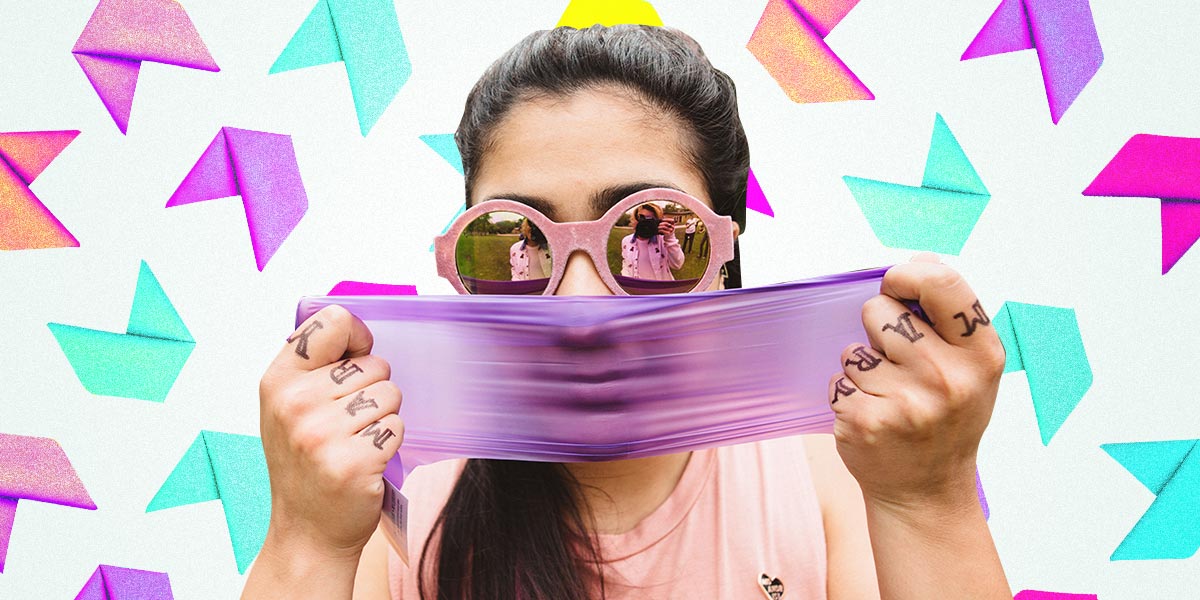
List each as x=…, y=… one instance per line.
x=1171, y=470
x=939, y=215
x=26, y=223
x=1044, y=341
x=360, y=288
x=34, y=468
x=1036, y=595
x=789, y=41
x=755, y=198
x=443, y=144
x=587, y=378
x=364, y=34
x=1062, y=32
x=141, y=363
x=230, y=468
x=119, y=583
x=122, y=34
x=582, y=14
x=1158, y=166
x=261, y=168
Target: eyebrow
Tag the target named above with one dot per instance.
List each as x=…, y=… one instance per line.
x=599, y=202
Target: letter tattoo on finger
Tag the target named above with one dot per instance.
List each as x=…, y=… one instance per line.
x=342, y=372
x=904, y=326
x=866, y=361
x=841, y=389
x=381, y=434
x=980, y=318
x=302, y=336
x=360, y=402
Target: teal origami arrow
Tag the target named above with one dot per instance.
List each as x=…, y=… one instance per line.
x=1044, y=341
x=141, y=363
x=230, y=468
x=937, y=216
x=444, y=145
x=1171, y=470
x=364, y=34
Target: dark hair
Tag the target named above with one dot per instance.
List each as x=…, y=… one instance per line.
x=514, y=529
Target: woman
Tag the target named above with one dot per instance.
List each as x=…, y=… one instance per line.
x=652, y=251
x=567, y=122
x=529, y=258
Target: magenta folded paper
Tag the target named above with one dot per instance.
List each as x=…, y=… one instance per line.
x=122, y=34
x=1164, y=167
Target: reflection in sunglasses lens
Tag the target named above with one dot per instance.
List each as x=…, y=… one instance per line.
x=502, y=252
x=658, y=247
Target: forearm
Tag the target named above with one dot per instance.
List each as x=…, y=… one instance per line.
x=288, y=570
x=935, y=552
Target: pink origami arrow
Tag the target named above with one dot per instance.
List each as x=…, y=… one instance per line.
x=1036, y=595
x=1159, y=166
x=789, y=41
x=261, y=168
x=33, y=468
x=362, y=288
x=24, y=221
x=1062, y=32
x=123, y=33
x=755, y=198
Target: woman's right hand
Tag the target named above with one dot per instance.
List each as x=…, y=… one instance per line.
x=329, y=426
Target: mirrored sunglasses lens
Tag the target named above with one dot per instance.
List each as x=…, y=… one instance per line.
x=658, y=247
x=502, y=252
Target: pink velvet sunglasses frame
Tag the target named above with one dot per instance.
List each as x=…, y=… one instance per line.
x=589, y=236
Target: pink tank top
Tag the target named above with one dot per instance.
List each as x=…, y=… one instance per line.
x=738, y=513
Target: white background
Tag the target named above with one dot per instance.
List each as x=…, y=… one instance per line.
x=1058, y=511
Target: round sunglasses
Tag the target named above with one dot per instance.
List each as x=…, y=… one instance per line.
x=654, y=241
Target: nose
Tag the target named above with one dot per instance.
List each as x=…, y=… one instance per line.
x=581, y=278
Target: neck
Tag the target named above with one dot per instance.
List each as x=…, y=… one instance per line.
x=617, y=495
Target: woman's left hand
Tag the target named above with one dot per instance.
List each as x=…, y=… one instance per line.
x=912, y=406
x=666, y=227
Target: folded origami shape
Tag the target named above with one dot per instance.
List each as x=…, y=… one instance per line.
x=937, y=216
x=364, y=34
x=141, y=363
x=1036, y=595
x=1044, y=341
x=1171, y=470
x=755, y=198
x=359, y=288
x=789, y=41
x=34, y=468
x=25, y=222
x=118, y=583
x=582, y=14
x=123, y=33
x=443, y=144
x=1064, y=35
x=1158, y=166
x=230, y=468
x=261, y=168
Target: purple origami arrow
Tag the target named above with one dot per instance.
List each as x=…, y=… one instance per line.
x=119, y=583
x=261, y=168
x=123, y=33
x=1159, y=166
x=34, y=468
x=1062, y=32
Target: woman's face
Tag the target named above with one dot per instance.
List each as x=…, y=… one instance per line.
x=573, y=158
